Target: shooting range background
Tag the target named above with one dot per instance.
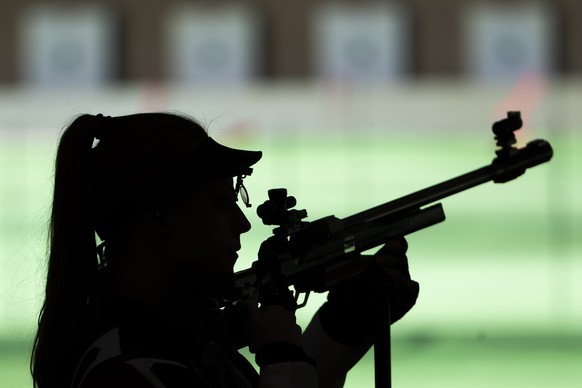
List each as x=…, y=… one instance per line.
x=501, y=297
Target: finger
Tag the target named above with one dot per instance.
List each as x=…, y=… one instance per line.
x=274, y=309
x=394, y=277
x=388, y=261
x=397, y=245
x=407, y=284
x=403, y=244
x=252, y=305
x=396, y=262
x=251, y=301
x=414, y=286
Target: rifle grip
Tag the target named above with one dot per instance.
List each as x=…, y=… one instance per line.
x=277, y=294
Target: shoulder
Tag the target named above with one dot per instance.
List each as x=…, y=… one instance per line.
x=143, y=372
x=107, y=364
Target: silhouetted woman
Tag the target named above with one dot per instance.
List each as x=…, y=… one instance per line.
x=140, y=309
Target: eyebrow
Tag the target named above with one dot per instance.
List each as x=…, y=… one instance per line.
x=225, y=187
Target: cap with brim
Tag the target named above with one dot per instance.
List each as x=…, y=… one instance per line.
x=207, y=161
x=210, y=159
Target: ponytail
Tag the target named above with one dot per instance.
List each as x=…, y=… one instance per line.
x=96, y=190
x=72, y=261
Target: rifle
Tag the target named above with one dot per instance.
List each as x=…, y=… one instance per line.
x=319, y=255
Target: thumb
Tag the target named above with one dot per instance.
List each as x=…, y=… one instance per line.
x=252, y=305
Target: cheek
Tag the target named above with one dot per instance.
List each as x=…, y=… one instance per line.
x=199, y=240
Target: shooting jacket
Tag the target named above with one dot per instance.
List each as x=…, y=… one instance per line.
x=123, y=343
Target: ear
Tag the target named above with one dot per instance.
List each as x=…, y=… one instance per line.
x=153, y=219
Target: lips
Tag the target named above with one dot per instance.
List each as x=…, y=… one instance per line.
x=233, y=256
x=234, y=251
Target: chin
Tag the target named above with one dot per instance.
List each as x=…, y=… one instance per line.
x=228, y=274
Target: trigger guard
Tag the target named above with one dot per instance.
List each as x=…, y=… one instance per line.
x=304, y=303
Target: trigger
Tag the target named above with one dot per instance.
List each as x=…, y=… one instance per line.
x=302, y=304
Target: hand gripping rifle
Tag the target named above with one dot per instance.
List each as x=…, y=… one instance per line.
x=319, y=255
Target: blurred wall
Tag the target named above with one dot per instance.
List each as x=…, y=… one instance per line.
x=436, y=40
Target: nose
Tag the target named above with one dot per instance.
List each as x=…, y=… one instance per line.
x=241, y=224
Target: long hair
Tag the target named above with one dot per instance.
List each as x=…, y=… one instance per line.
x=80, y=190
x=72, y=250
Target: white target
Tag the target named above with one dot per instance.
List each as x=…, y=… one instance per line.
x=67, y=47
x=218, y=46
x=363, y=44
x=506, y=42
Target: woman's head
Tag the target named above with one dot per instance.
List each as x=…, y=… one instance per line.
x=157, y=190
x=165, y=199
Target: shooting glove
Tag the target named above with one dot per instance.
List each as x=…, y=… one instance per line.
x=356, y=311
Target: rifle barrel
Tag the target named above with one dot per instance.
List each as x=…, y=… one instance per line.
x=536, y=152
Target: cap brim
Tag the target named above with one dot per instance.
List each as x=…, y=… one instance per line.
x=212, y=159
